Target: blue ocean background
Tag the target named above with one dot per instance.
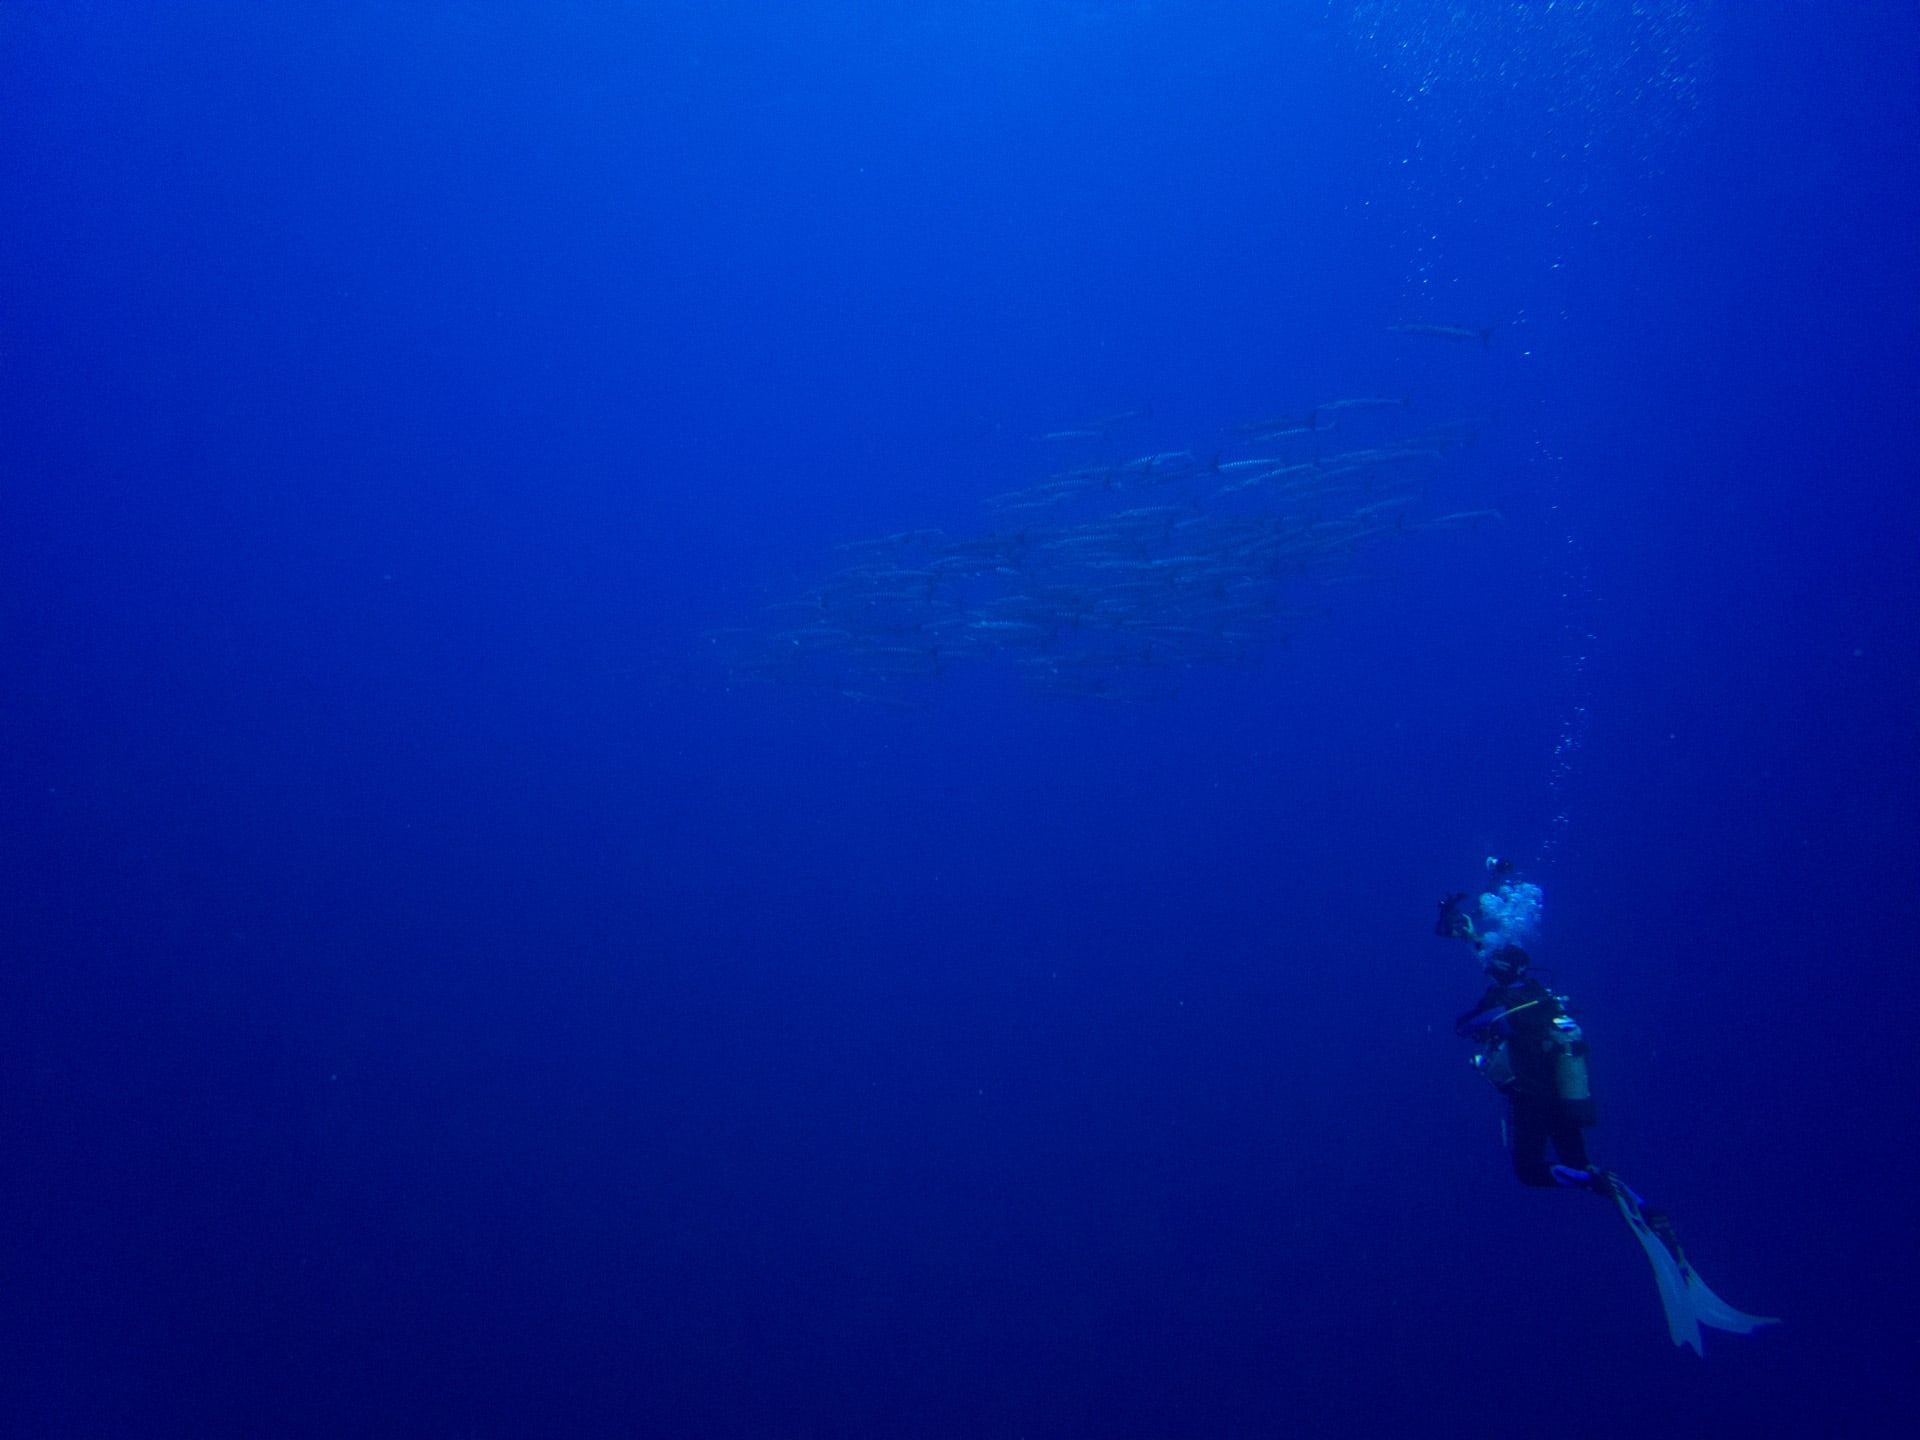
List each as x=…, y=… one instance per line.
x=437, y=999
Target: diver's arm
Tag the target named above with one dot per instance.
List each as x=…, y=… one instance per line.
x=1487, y=1012
x=1499, y=1003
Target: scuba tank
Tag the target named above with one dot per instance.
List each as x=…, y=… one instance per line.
x=1570, y=1079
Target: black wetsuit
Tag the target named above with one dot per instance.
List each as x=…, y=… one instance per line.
x=1513, y=1026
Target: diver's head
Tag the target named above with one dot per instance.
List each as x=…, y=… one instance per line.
x=1506, y=964
x=1501, y=919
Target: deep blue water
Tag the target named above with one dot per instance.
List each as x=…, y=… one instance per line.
x=437, y=999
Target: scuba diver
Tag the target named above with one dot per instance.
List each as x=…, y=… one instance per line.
x=1529, y=1047
x=1526, y=1044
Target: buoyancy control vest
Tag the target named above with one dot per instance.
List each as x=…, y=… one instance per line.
x=1526, y=1044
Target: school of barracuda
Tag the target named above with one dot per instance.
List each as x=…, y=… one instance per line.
x=1108, y=580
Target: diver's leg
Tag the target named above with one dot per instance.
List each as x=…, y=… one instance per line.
x=1529, y=1129
x=1570, y=1143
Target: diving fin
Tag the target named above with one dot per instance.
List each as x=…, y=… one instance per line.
x=1716, y=1312
x=1682, y=1324
x=1707, y=1306
x=1686, y=1298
